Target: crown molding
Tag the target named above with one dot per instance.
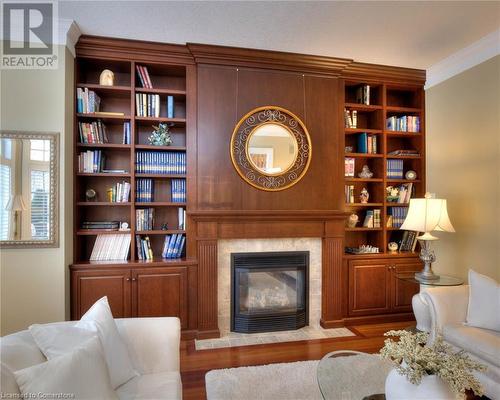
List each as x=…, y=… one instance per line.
x=69, y=32
x=464, y=59
x=386, y=73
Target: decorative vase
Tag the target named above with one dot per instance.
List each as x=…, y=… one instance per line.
x=397, y=387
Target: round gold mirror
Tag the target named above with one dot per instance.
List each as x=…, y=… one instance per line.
x=271, y=148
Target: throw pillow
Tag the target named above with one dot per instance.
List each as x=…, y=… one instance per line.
x=484, y=302
x=81, y=374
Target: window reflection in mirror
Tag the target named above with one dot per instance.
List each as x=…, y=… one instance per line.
x=272, y=149
x=24, y=189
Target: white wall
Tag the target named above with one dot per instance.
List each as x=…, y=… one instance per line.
x=34, y=282
x=463, y=166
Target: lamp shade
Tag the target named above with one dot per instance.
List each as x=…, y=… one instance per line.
x=16, y=203
x=427, y=215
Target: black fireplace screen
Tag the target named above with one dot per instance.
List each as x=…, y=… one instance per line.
x=269, y=291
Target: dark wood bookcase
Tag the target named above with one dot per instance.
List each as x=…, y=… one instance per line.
x=386, y=100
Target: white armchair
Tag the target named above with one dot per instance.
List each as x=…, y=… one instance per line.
x=153, y=345
x=448, y=308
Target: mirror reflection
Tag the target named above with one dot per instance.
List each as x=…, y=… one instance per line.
x=272, y=149
x=25, y=189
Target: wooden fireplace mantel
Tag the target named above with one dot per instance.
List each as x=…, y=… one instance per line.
x=262, y=224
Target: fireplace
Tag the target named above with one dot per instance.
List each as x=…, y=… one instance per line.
x=269, y=291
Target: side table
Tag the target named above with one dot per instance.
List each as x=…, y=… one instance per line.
x=420, y=306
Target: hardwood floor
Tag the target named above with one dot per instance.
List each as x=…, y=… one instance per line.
x=195, y=364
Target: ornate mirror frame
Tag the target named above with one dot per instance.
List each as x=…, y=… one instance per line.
x=239, y=148
x=53, y=240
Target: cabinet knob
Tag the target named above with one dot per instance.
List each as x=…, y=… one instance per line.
x=128, y=279
x=134, y=279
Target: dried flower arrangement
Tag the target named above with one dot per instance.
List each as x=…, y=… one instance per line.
x=160, y=136
x=413, y=360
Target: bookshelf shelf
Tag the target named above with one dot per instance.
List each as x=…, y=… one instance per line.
x=117, y=90
x=95, y=232
x=104, y=117
x=104, y=174
x=172, y=92
x=166, y=176
x=364, y=155
x=103, y=204
x=175, y=121
x=159, y=204
x=386, y=102
x=151, y=147
x=116, y=146
x=160, y=232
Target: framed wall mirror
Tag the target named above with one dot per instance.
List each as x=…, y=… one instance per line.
x=29, y=189
x=271, y=148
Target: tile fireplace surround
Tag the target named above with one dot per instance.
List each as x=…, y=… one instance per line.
x=312, y=331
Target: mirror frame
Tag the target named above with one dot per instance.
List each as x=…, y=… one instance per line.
x=53, y=240
x=240, y=139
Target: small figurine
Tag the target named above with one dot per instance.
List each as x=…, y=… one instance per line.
x=392, y=194
x=107, y=78
x=90, y=195
x=364, y=196
x=411, y=175
x=124, y=226
x=164, y=227
x=393, y=247
x=349, y=149
x=365, y=172
x=352, y=220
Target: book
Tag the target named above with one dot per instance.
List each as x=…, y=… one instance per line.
x=394, y=169
x=405, y=123
x=368, y=222
x=119, y=193
x=143, y=75
x=144, y=190
x=170, y=106
x=349, y=166
x=147, y=105
x=87, y=101
x=349, y=194
x=111, y=247
x=178, y=190
x=181, y=217
x=126, y=133
x=363, y=94
x=160, y=162
x=91, y=161
x=144, y=219
x=107, y=114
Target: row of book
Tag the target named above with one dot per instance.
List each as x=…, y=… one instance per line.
x=406, y=123
x=372, y=219
x=92, y=132
x=367, y=143
x=178, y=190
x=363, y=94
x=408, y=241
x=91, y=161
x=350, y=118
x=144, y=219
x=349, y=194
x=149, y=105
x=173, y=247
x=101, y=225
x=119, y=193
x=349, y=166
x=144, y=78
x=403, y=193
x=144, y=250
x=111, y=247
x=144, y=189
x=160, y=162
x=394, y=169
x=396, y=216
x=181, y=218
x=404, y=152
x=87, y=101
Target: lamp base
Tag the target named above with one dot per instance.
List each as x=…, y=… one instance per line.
x=428, y=257
x=425, y=276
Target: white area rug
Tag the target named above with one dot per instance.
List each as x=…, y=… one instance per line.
x=352, y=378
x=233, y=339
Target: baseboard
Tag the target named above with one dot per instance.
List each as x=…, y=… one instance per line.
x=338, y=323
x=379, y=319
x=209, y=334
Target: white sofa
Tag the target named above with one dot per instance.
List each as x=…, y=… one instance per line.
x=448, y=308
x=153, y=345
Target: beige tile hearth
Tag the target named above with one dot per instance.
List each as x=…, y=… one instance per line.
x=233, y=339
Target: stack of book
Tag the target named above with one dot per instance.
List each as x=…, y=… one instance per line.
x=120, y=193
x=111, y=247
x=363, y=94
x=87, y=101
x=160, y=162
x=144, y=250
x=367, y=143
x=144, y=78
x=408, y=241
x=181, y=213
x=92, y=132
x=349, y=166
x=404, y=152
x=173, y=246
x=397, y=216
x=144, y=189
x=101, y=225
x=126, y=133
x=147, y=105
x=372, y=219
x=405, y=192
x=350, y=118
x=91, y=161
x=406, y=123
x=144, y=219
x=394, y=169
x=349, y=194
x=178, y=190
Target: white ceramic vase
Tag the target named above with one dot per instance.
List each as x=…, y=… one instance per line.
x=432, y=387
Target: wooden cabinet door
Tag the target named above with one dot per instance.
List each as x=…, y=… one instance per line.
x=160, y=292
x=369, y=287
x=403, y=291
x=90, y=286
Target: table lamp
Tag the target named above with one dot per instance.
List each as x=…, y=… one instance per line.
x=16, y=204
x=427, y=215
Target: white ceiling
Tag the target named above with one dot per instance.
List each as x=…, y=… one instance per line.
x=413, y=34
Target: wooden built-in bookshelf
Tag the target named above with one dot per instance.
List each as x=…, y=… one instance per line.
x=168, y=79
x=386, y=100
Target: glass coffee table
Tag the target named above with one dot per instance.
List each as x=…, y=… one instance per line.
x=352, y=375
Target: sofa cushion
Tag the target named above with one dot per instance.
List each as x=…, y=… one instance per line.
x=162, y=385
x=483, y=343
x=83, y=374
x=484, y=302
